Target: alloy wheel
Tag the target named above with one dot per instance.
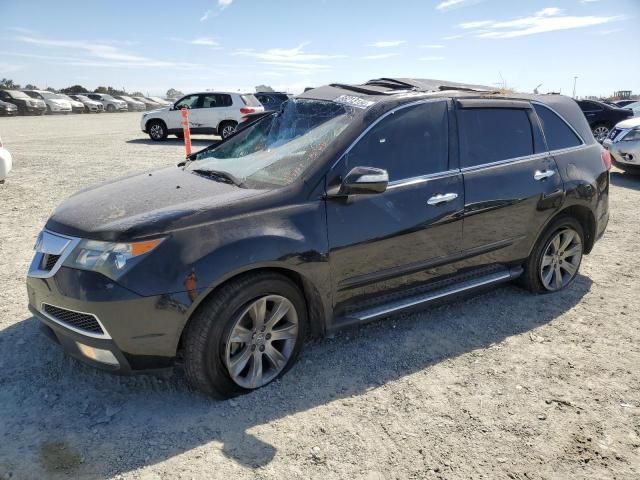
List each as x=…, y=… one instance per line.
x=561, y=259
x=600, y=133
x=261, y=341
x=228, y=131
x=156, y=131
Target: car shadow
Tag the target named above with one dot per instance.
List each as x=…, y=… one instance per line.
x=172, y=141
x=625, y=180
x=62, y=418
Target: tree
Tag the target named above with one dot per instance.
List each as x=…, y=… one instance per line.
x=264, y=88
x=74, y=90
x=7, y=84
x=31, y=86
x=51, y=89
x=173, y=93
x=137, y=94
x=101, y=90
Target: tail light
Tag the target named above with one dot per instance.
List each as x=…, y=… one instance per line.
x=606, y=158
x=247, y=110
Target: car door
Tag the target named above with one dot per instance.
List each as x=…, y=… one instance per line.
x=406, y=235
x=174, y=116
x=212, y=110
x=512, y=184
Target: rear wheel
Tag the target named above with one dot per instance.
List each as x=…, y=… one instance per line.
x=245, y=336
x=111, y=108
x=555, y=260
x=226, y=129
x=600, y=132
x=157, y=130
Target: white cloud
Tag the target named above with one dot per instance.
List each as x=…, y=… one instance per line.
x=449, y=4
x=205, y=16
x=431, y=59
x=294, y=60
x=380, y=56
x=387, y=44
x=545, y=20
x=98, y=54
x=432, y=46
x=207, y=41
x=222, y=4
x=452, y=37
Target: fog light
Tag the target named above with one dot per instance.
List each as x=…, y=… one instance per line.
x=97, y=354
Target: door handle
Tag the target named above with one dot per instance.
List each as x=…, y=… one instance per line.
x=440, y=198
x=540, y=175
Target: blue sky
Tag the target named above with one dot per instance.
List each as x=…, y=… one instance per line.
x=289, y=44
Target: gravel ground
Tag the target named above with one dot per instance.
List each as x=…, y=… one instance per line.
x=502, y=385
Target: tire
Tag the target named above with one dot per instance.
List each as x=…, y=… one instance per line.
x=227, y=128
x=600, y=132
x=111, y=108
x=208, y=352
x=535, y=273
x=157, y=130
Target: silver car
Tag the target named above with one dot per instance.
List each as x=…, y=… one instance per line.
x=624, y=144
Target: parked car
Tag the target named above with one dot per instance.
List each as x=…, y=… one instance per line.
x=215, y=113
x=8, y=109
x=624, y=103
x=149, y=104
x=272, y=100
x=89, y=105
x=324, y=215
x=602, y=117
x=76, y=106
x=26, y=105
x=109, y=103
x=634, y=107
x=54, y=101
x=160, y=101
x=132, y=104
x=624, y=144
x=6, y=162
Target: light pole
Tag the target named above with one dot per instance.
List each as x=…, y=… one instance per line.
x=574, y=85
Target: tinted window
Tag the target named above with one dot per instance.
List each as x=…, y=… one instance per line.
x=410, y=142
x=190, y=101
x=586, y=106
x=250, y=100
x=493, y=134
x=215, y=100
x=556, y=130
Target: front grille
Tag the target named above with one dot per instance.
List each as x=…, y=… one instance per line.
x=82, y=321
x=48, y=261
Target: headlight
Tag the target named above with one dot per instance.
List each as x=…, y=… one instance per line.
x=631, y=135
x=109, y=258
x=32, y=103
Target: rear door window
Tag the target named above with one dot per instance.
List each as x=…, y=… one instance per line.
x=558, y=134
x=410, y=142
x=492, y=134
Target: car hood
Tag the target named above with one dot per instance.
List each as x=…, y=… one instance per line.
x=8, y=105
x=157, y=110
x=146, y=204
x=629, y=123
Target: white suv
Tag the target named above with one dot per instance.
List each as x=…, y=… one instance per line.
x=110, y=103
x=209, y=113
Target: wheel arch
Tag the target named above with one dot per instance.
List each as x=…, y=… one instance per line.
x=227, y=120
x=155, y=119
x=316, y=311
x=587, y=220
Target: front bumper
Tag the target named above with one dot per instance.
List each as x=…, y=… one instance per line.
x=141, y=333
x=624, y=153
x=59, y=109
x=35, y=110
x=9, y=113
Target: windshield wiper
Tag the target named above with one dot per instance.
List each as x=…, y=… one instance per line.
x=220, y=176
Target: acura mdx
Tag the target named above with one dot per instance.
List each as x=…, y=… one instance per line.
x=349, y=204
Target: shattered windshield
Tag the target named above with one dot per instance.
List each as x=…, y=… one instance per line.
x=279, y=148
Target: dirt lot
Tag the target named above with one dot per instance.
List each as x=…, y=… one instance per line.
x=503, y=385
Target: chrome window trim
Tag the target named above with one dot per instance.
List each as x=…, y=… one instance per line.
x=507, y=161
x=104, y=335
x=34, y=268
x=561, y=118
x=382, y=117
x=421, y=179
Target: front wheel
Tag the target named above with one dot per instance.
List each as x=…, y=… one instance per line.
x=227, y=129
x=556, y=257
x=245, y=336
x=600, y=132
x=111, y=108
x=157, y=130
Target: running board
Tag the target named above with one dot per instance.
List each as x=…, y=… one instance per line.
x=433, y=295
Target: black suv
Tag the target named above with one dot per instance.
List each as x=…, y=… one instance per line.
x=25, y=104
x=350, y=204
x=602, y=117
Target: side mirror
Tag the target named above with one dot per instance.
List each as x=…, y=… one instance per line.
x=362, y=181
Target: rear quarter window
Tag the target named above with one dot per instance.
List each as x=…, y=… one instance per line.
x=492, y=134
x=558, y=134
x=250, y=100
